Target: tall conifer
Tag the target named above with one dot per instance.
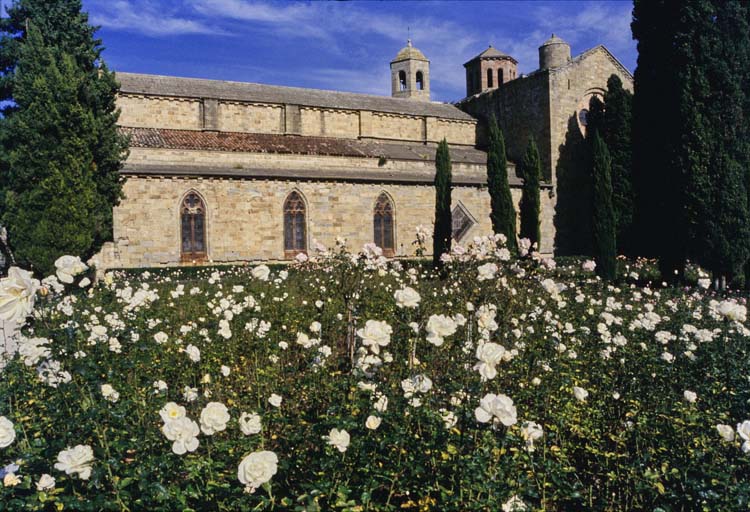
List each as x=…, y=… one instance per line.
x=603, y=222
x=616, y=132
x=530, y=200
x=64, y=37
x=441, y=238
x=502, y=214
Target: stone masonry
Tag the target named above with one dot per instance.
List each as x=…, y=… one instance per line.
x=243, y=148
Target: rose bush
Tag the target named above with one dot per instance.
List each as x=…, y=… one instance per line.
x=348, y=382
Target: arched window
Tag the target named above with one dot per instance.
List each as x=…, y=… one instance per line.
x=295, y=232
x=401, y=80
x=420, y=81
x=383, y=225
x=193, y=227
x=500, y=78
x=489, y=78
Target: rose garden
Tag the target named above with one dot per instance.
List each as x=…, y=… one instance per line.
x=350, y=382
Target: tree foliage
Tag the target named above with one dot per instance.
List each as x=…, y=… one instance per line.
x=690, y=133
x=502, y=214
x=441, y=238
x=530, y=200
x=60, y=151
x=616, y=132
x=603, y=221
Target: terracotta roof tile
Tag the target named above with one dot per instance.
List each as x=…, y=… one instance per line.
x=291, y=144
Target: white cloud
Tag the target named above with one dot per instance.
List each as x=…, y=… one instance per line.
x=146, y=18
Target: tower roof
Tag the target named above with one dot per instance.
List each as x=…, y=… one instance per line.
x=554, y=40
x=491, y=53
x=408, y=52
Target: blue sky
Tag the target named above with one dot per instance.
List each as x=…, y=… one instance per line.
x=344, y=45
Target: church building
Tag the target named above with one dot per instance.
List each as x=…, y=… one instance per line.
x=229, y=172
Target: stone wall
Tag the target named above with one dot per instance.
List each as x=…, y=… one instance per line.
x=249, y=117
x=245, y=218
x=154, y=111
x=572, y=86
x=140, y=111
x=521, y=108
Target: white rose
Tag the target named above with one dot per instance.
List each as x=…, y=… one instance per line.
x=261, y=272
x=407, y=298
x=589, y=265
x=109, y=393
x=381, y=404
x=338, y=438
x=214, y=418
x=304, y=340
x=375, y=334
x=489, y=355
x=250, y=423
x=76, y=460
x=45, y=483
x=68, y=267
x=33, y=349
x=373, y=422
x=438, y=327
x=497, y=409
x=690, y=396
x=580, y=394
x=193, y=353
x=17, y=295
x=257, y=469
x=184, y=434
x=160, y=337
x=743, y=430
x=530, y=432
x=171, y=411
x=514, y=504
x=726, y=432
x=486, y=272
x=275, y=400
x=7, y=432
x=225, y=370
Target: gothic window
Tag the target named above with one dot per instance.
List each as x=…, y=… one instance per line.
x=420, y=81
x=402, y=80
x=383, y=225
x=295, y=232
x=489, y=78
x=462, y=222
x=193, y=227
x=500, y=77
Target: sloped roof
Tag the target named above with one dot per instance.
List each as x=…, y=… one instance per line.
x=292, y=144
x=135, y=83
x=491, y=53
x=554, y=40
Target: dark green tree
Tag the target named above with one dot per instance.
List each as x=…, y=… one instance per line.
x=658, y=177
x=50, y=184
x=603, y=221
x=531, y=172
x=65, y=38
x=573, y=205
x=617, y=134
x=502, y=214
x=716, y=197
x=441, y=237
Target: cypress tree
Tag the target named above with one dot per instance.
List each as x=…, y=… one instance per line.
x=50, y=184
x=616, y=132
x=603, y=222
x=441, y=237
x=530, y=201
x=65, y=38
x=502, y=214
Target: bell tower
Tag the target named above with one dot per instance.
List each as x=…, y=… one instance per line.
x=410, y=74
